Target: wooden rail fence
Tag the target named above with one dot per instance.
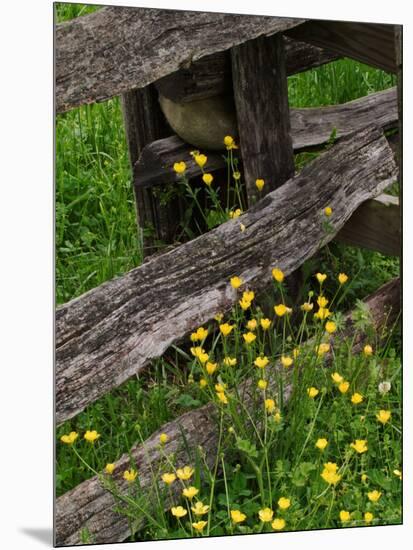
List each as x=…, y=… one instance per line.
x=110, y=333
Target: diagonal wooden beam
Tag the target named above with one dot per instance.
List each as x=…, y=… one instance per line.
x=113, y=331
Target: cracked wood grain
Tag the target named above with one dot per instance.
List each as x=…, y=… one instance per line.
x=117, y=49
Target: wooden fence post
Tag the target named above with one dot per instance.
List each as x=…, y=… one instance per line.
x=261, y=100
x=144, y=123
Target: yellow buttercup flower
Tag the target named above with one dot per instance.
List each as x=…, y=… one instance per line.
x=218, y=317
x=284, y=503
x=367, y=350
x=328, y=211
x=265, y=515
x=233, y=214
x=322, y=313
x=260, y=184
x=337, y=378
x=207, y=179
x=322, y=301
x=248, y=295
x=180, y=167
x=321, y=277
x=368, y=517
x=278, y=524
x=321, y=443
x=130, y=475
x=203, y=382
x=164, y=438
x=200, y=509
x=203, y=357
x=199, y=525
x=69, y=439
x=110, y=468
x=190, y=492
x=249, y=337
x=200, y=334
x=237, y=516
x=262, y=384
x=356, y=398
x=91, y=436
x=245, y=304
x=236, y=282
x=184, y=473
x=383, y=416
x=280, y=310
x=363, y=478
x=359, y=445
x=374, y=495
x=230, y=143
x=296, y=352
x=330, y=475
x=342, y=278
x=307, y=306
x=178, y=511
x=330, y=467
x=265, y=324
x=312, y=392
x=236, y=176
x=225, y=329
x=211, y=367
x=286, y=361
x=220, y=388
x=252, y=324
x=168, y=478
x=229, y=361
x=261, y=362
x=201, y=160
x=345, y=516
x=269, y=405
x=278, y=275
x=330, y=327
x=343, y=387
x=222, y=397
x=397, y=473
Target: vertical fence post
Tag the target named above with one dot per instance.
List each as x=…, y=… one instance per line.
x=144, y=123
x=261, y=100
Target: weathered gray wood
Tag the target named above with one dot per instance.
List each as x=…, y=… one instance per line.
x=399, y=65
x=376, y=225
x=211, y=75
x=370, y=43
x=113, y=331
x=145, y=123
x=117, y=49
x=261, y=101
x=90, y=506
x=310, y=129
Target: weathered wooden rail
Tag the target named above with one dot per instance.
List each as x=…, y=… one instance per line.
x=91, y=506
